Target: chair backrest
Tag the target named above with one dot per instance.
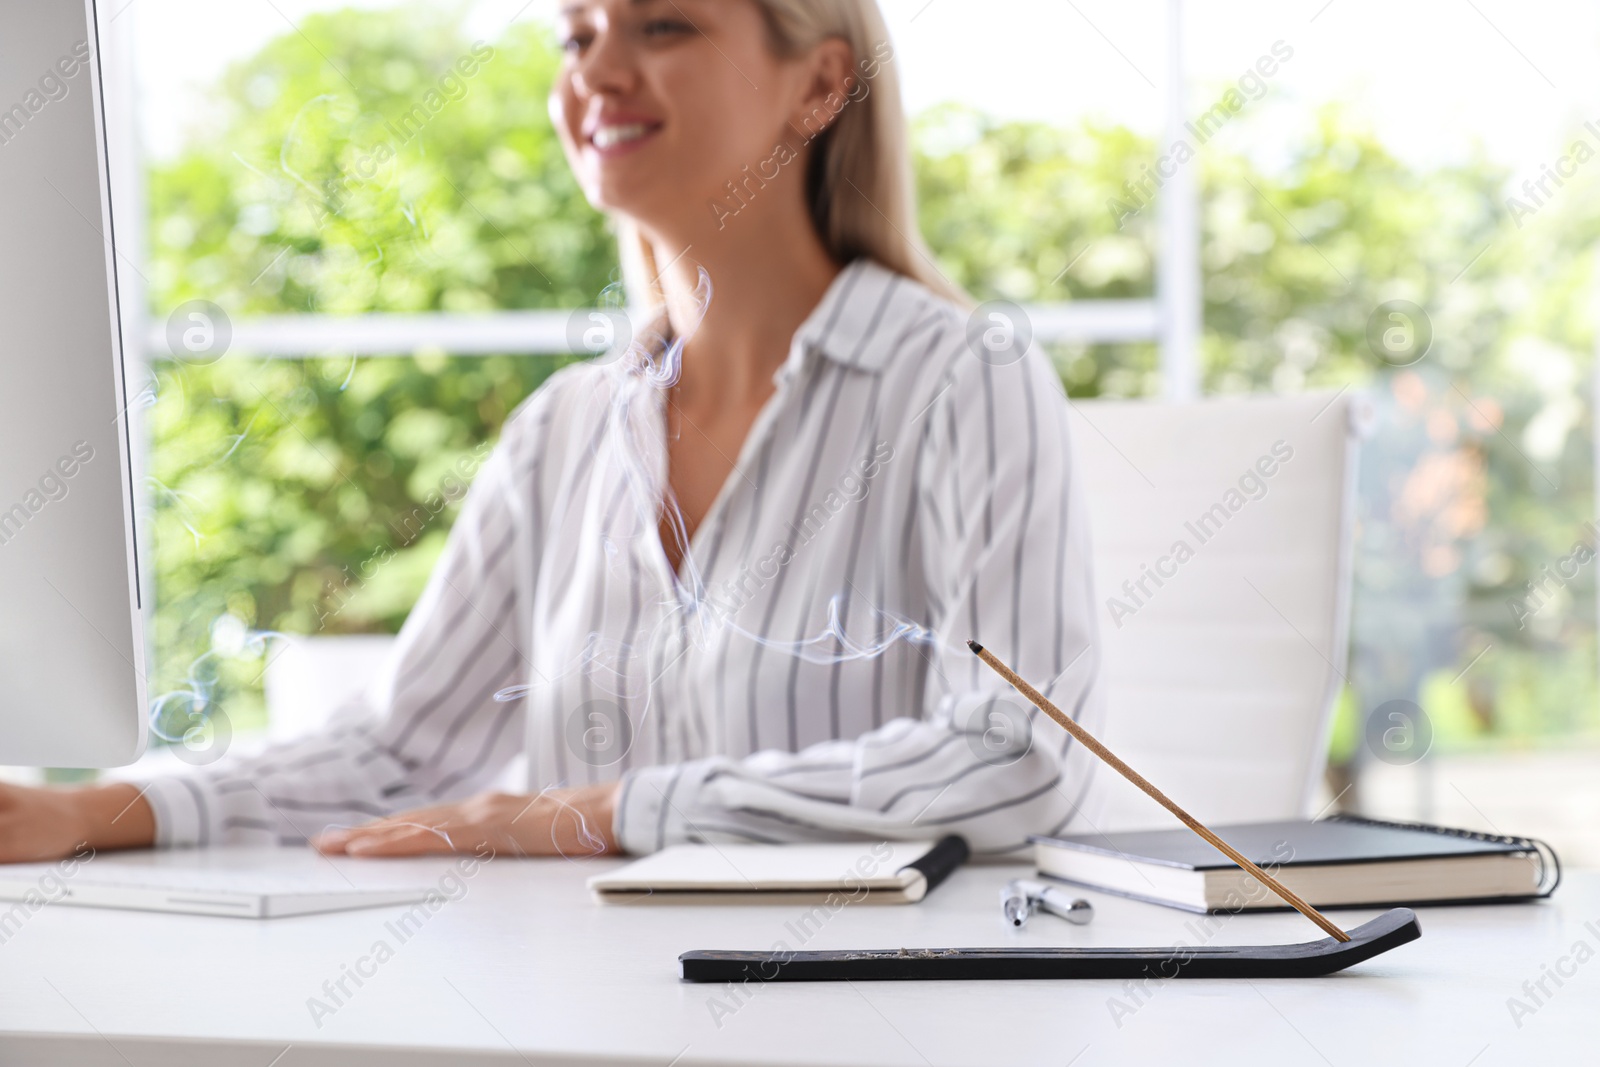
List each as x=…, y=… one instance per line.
x=310, y=678
x=1222, y=539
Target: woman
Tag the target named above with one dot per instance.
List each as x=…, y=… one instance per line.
x=716, y=588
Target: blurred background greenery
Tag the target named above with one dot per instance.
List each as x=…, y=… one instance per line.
x=274, y=482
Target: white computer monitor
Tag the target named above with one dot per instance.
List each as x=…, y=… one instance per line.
x=72, y=690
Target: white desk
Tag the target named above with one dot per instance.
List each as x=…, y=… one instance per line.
x=525, y=960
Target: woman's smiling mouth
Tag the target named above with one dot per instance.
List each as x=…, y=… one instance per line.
x=615, y=138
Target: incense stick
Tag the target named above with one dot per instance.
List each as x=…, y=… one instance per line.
x=1088, y=741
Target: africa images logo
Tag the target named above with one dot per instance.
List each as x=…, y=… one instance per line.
x=54, y=484
x=53, y=85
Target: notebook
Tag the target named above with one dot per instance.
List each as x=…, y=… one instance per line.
x=882, y=872
x=1342, y=861
x=249, y=882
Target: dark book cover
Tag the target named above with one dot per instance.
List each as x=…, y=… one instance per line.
x=1339, y=839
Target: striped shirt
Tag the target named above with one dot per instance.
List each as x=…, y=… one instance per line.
x=804, y=674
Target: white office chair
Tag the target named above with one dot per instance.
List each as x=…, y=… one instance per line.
x=313, y=677
x=1221, y=667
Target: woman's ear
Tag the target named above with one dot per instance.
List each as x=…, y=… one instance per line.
x=831, y=83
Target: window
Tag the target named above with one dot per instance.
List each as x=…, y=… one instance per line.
x=1344, y=163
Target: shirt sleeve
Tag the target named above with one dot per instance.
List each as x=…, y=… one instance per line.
x=429, y=729
x=1006, y=547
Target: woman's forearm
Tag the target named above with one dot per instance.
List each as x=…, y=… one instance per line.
x=115, y=816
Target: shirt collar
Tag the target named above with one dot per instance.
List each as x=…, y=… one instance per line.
x=862, y=313
x=858, y=319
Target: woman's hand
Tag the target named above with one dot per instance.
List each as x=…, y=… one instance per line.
x=556, y=822
x=51, y=824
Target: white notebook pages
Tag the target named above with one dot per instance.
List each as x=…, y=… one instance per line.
x=877, y=872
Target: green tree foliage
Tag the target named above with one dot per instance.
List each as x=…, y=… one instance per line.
x=358, y=168
x=281, y=488
x=1480, y=471
x=1017, y=211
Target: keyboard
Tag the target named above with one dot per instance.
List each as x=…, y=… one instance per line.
x=259, y=883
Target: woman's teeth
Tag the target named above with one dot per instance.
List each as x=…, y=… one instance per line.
x=611, y=136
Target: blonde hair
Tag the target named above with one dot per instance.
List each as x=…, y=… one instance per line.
x=858, y=182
